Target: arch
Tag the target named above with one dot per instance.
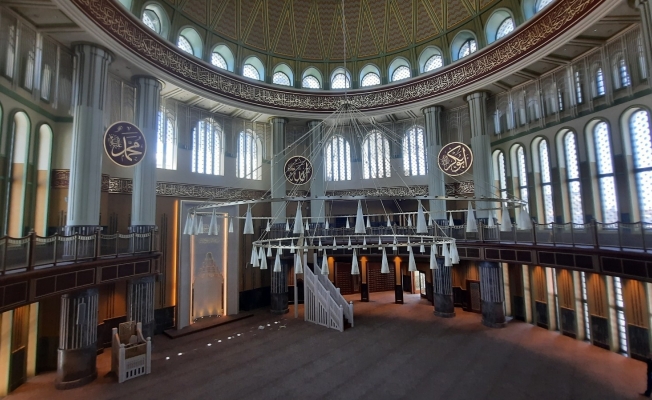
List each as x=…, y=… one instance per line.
x=498, y=25
x=500, y=172
x=463, y=44
x=155, y=17
x=636, y=128
x=222, y=57
x=208, y=147
x=376, y=158
x=20, y=132
x=253, y=68
x=337, y=153
x=167, y=140
x=518, y=159
x=283, y=75
x=600, y=155
x=414, y=152
x=43, y=166
x=431, y=58
x=543, y=179
x=340, y=79
x=369, y=76
x=399, y=69
x=250, y=156
x=531, y=7
x=190, y=41
x=312, y=79
x=621, y=76
x=569, y=166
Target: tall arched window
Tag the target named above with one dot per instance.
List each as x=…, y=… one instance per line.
x=468, y=47
x=578, y=87
x=208, y=148
x=253, y=68
x=222, y=57
x=573, y=177
x=500, y=173
x=624, y=79
x=156, y=19
x=605, y=172
x=166, y=146
x=639, y=130
x=340, y=79
x=414, y=152
x=43, y=179
x=250, y=157
x=21, y=128
x=152, y=20
x=338, y=159
x=184, y=44
x=546, y=184
x=376, y=161
x=599, y=82
x=370, y=79
x=402, y=72
x=521, y=169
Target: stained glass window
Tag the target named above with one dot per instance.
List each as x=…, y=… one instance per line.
x=573, y=178
x=218, y=61
x=310, y=82
x=338, y=159
x=249, y=156
x=546, y=184
x=370, y=79
x=184, y=44
x=599, y=82
x=522, y=173
x=401, y=72
x=623, y=73
x=639, y=127
x=166, y=144
x=414, y=152
x=468, y=47
x=578, y=88
x=280, y=78
x=541, y=4
x=152, y=21
x=340, y=81
x=434, y=62
x=375, y=156
x=505, y=28
x=207, y=148
x=250, y=71
x=606, y=180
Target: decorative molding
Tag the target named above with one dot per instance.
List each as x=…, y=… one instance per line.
x=385, y=191
x=60, y=179
x=125, y=186
x=105, y=182
x=125, y=28
x=459, y=188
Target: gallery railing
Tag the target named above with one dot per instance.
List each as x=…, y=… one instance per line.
x=33, y=252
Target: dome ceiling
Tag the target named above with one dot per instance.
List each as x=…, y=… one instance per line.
x=312, y=29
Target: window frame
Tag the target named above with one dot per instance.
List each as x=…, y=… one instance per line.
x=373, y=142
x=200, y=135
x=337, y=159
x=249, y=165
x=415, y=152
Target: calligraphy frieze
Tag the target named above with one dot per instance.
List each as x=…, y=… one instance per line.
x=125, y=144
x=455, y=159
x=298, y=170
x=143, y=42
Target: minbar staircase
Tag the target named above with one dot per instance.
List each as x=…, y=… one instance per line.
x=323, y=302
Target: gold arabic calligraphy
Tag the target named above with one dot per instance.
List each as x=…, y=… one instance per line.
x=455, y=158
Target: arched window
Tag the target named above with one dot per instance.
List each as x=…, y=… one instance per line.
x=250, y=157
x=208, y=148
x=506, y=27
x=376, y=162
x=521, y=171
x=599, y=82
x=190, y=42
x=338, y=159
x=573, y=177
x=280, y=78
x=433, y=63
x=540, y=4
x=402, y=72
x=253, y=68
x=21, y=129
x=430, y=59
x=624, y=79
x=399, y=69
x=310, y=82
x=43, y=179
x=370, y=79
x=166, y=145
x=250, y=72
x=579, y=99
x=639, y=130
x=218, y=61
x=152, y=20
x=463, y=44
x=340, y=79
x=605, y=172
x=546, y=183
x=468, y=47
x=414, y=152
x=222, y=57
x=500, y=173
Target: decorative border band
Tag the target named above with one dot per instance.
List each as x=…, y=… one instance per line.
x=144, y=43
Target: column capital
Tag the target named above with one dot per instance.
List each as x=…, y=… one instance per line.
x=276, y=120
x=95, y=48
x=476, y=95
x=313, y=124
x=432, y=109
x=147, y=80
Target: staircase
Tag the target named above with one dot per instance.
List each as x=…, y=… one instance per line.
x=323, y=303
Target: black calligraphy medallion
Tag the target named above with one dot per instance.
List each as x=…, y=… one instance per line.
x=125, y=144
x=298, y=170
x=455, y=159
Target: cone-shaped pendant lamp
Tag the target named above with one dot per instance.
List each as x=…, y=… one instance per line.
x=261, y=253
x=450, y=220
x=422, y=248
x=490, y=221
x=230, y=225
x=326, y=225
x=389, y=224
x=525, y=220
x=269, y=226
x=277, y=261
x=324, y=264
x=307, y=226
x=280, y=247
x=433, y=256
x=355, y=270
x=471, y=223
x=380, y=243
x=292, y=248
x=364, y=243
x=263, y=260
x=505, y=221
x=349, y=244
x=190, y=223
x=368, y=222
x=334, y=243
x=359, y=220
x=409, y=221
x=320, y=246
x=455, y=256
x=394, y=243
x=348, y=226
x=287, y=225
x=447, y=257
x=199, y=228
x=269, y=251
x=412, y=265
x=249, y=222
x=422, y=227
x=298, y=264
x=214, y=227
x=384, y=266
x=254, y=257
x=298, y=221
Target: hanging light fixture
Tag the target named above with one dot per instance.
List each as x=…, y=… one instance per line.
x=298, y=221
x=433, y=257
x=263, y=260
x=447, y=258
x=230, y=225
x=269, y=226
x=355, y=270
x=298, y=264
x=364, y=243
x=454, y=255
x=421, y=219
x=349, y=244
x=490, y=221
x=359, y=220
x=326, y=225
x=199, y=228
x=292, y=248
x=287, y=225
x=471, y=223
x=450, y=220
x=384, y=265
x=348, y=226
x=412, y=265
x=254, y=257
x=324, y=264
x=505, y=221
x=249, y=222
x=189, y=226
x=277, y=261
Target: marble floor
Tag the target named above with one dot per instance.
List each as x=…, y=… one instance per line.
x=394, y=351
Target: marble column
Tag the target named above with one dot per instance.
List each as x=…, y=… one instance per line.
x=436, y=183
x=277, y=182
x=143, y=199
x=279, y=295
x=645, y=9
x=442, y=281
x=77, y=351
x=481, y=146
x=491, y=295
x=140, y=303
x=317, y=185
x=92, y=64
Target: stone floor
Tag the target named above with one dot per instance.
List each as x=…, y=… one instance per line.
x=394, y=351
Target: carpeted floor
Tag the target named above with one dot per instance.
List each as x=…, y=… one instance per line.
x=394, y=351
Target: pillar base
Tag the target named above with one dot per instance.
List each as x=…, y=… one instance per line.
x=444, y=306
x=493, y=315
x=279, y=303
x=76, y=367
x=364, y=292
x=398, y=294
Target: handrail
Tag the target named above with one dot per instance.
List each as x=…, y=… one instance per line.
x=21, y=254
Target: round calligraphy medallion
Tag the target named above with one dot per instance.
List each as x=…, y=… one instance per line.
x=125, y=144
x=455, y=159
x=298, y=170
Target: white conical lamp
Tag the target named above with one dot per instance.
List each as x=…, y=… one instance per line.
x=422, y=248
x=320, y=246
x=505, y=221
x=298, y=221
x=422, y=227
x=490, y=221
x=368, y=222
x=447, y=257
x=298, y=264
x=454, y=255
x=249, y=222
x=412, y=265
x=326, y=225
x=349, y=244
x=364, y=243
x=471, y=223
x=384, y=266
x=394, y=244
x=433, y=257
x=261, y=253
x=254, y=257
x=359, y=220
x=355, y=270
x=230, y=225
x=525, y=219
x=188, y=227
x=380, y=243
x=334, y=243
x=287, y=225
x=450, y=220
x=269, y=251
x=213, y=228
x=348, y=226
x=263, y=260
x=292, y=248
x=409, y=221
x=277, y=261
x=199, y=228
x=307, y=226
x=280, y=247
x=389, y=224
x=324, y=264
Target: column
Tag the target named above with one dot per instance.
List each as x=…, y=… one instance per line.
x=436, y=183
x=279, y=289
x=398, y=280
x=143, y=199
x=317, y=185
x=77, y=339
x=491, y=295
x=442, y=280
x=364, y=279
x=277, y=181
x=481, y=146
x=646, y=30
x=140, y=303
x=87, y=137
